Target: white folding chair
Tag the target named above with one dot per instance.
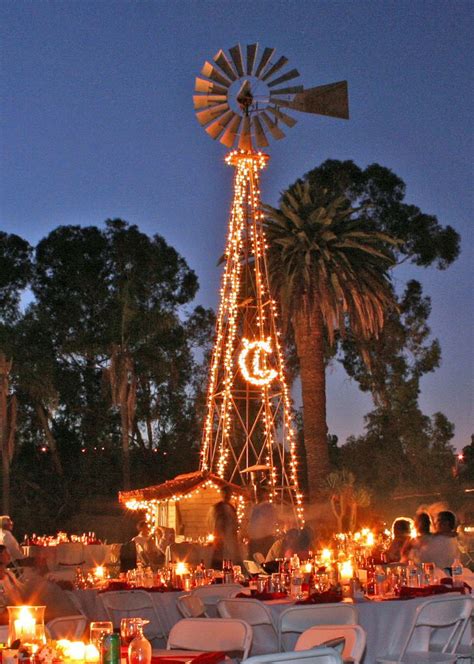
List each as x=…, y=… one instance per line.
x=354, y=635
x=191, y=606
x=296, y=619
x=316, y=656
x=133, y=604
x=212, y=594
x=66, y=627
x=208, y=634
x=449, y=613
x=257, y=615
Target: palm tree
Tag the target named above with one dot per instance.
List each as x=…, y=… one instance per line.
x=329, y=270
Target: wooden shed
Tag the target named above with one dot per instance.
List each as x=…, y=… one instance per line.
x=184, y=502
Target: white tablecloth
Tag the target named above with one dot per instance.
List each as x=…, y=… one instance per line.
x=72, y=553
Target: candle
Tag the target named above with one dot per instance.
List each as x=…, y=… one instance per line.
x=308, y=568
x=91, y=653
x=326, y=555
x=76, y=651
x=346, y=572
x=99, y=572
x=25, y=626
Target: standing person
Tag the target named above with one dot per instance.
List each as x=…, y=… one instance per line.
x=262, y=524
x=8, y=539
x=223, y=524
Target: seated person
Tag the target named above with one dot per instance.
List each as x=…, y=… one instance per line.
x=401, y=535
x=442, y=547
x=148, y=553
x=11, y=590
x=39, y=590
x=294, y=541
x=412, y=549
x=8, y=539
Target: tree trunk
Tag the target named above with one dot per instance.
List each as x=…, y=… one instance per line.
x=124, y=417
x=5, y=367
x=44, y=421
x=309, y=337
x=5, y=484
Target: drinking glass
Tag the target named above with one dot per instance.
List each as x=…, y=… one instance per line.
x=129, y=628
x=428, y=573
x=98, y=630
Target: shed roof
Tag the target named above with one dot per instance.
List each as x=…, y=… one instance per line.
x=179, y=486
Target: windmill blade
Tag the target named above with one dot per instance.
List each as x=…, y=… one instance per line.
x=281, y=62
x=203, y=101
x=287, y=91
x=211, y=72
x=279, y=115
x=228, y=137
x=329, y=100
x=220, y=59
x=251, y=56
x=267, y=54
x=294, y=73
x=236, y=55
x=260, y=137
x=208, y=87
x=216, y=128
x=273, y=128
x=245, y=138
x=209, y=114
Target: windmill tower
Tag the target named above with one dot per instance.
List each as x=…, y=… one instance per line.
x=248, y=427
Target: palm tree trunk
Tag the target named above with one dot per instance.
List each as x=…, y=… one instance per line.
x=125, y=422
x=309, y=337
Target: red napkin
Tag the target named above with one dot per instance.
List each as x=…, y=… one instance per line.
x=327, y=597
x=202, y=658
x=427, y=591
x=263, y=597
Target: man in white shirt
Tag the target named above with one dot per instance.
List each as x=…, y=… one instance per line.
x=8, y=539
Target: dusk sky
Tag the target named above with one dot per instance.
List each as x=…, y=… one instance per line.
x=98, y=122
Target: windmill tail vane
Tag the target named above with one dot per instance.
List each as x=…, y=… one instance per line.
x=240, y=96
x=248, y=430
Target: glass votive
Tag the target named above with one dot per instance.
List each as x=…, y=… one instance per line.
x=26, y=624
x=98, y=630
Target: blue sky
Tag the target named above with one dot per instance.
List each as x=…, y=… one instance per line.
x=97, y=121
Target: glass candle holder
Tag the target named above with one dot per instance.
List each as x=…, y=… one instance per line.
x=26, y=624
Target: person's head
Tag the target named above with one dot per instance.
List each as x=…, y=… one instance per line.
x=401, y=528
x=143, y=528
x=445, y=523
x=226, y=493
x=6, y=523
x=291, y=540
x=422, y=523
x=261, y=493
x=5, y=557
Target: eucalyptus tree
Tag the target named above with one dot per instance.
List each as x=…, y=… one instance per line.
x=15, y=271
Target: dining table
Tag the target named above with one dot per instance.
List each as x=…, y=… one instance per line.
x=386, y=621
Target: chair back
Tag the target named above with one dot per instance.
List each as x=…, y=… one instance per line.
x=296, y=619
x=66, y=627
x=316, y=656
x=449, y=613
x=257, y=615
x=212, y=594
x=354, y=635
x=191, y=606
x=210, y=634
x=120, y=604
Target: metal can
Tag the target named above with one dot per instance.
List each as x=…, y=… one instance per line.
x=110, y=649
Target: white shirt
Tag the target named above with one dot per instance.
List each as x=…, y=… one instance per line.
x=438, y=549
x=9, y=540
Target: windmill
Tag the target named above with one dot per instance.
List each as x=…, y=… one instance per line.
x=248, y=428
